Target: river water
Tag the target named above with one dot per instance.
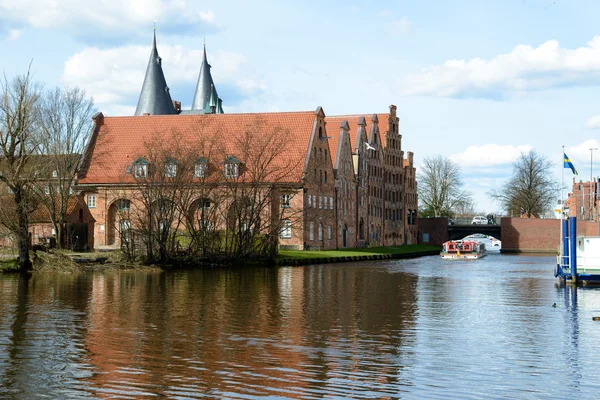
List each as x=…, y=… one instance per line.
x=499, y=327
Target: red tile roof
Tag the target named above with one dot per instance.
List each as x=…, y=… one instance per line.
x=41, y=213
x=121, y=140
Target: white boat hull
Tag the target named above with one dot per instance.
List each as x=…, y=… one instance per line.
x=468, y=256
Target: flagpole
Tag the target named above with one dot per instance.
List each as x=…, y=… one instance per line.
x=562, y=188
x=562, y=209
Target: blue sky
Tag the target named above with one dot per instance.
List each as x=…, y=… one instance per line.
x=476, y=81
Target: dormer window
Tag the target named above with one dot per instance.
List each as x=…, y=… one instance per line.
x=171, y=168
x=231, y=167
x=140, y=168
x=201, y=168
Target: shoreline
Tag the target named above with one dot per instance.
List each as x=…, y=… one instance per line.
x=65, y=262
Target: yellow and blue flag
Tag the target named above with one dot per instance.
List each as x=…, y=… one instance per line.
x=569, y=164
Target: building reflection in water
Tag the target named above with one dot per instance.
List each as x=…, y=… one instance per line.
x=287, y=331
x=332, y=330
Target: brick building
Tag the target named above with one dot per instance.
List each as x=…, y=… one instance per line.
x=336, y=181
x=583, y=201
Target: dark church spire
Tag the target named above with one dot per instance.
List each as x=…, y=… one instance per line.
x=206, y=98
x=155, y=98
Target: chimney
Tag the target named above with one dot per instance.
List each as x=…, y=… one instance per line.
x=177, y=106
x=98, y=119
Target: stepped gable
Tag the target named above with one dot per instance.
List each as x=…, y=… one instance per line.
x=333, y=131
x=353, y=122
x=119, y=141
x=155, y=98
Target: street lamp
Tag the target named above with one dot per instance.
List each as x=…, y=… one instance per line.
x=591, y=181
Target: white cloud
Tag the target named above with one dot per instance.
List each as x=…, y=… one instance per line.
x=15, y=34
x=524, y=69
x=488, y=155
x=593, y=122
x=96, y=19
x=114, y=76
x=580, y=153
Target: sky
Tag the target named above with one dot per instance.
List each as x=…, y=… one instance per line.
x=479, y=82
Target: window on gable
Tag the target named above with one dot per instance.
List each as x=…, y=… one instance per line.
x=231, y=170
x=200, y=168
x=55, y=174
x=46, y=189
x=91, y=201
x=285, y=201
x=140, y=168
x=232, y=167
x=171, y=169
x=286, y=229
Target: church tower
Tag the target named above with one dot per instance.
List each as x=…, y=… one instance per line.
x=206, y=98
x=155, y=98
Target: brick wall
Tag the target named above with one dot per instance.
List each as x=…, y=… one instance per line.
x=538, y=235
x=436, y=228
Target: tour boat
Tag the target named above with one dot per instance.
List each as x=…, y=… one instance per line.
x=463, y=249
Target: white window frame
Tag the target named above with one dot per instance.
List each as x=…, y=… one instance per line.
x=200, y=170
x=55, y=174
x=91, y=201
x=320, y=231
x=286, y=229
x=314, y=201
x=330, y=202
x=170, y=170
x=140, y=170
x=285, y=200
x=125, y=225
x=309, y=200
x=329, y=232
x=232, y=170
x=320, y=201
x=311, y=231
x=46, y=189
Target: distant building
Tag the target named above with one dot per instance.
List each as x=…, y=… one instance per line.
x=583, y=201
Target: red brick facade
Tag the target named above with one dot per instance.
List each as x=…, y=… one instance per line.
x=579, y=200
x=348, y=188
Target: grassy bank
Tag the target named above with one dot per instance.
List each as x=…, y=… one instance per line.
x=298, y=257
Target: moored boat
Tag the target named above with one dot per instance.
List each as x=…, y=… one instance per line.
x=579, y=256
x=463, y=249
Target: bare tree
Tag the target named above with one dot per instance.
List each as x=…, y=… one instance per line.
x=19, y=141
x=66, y=122
x=440, y=187
x=253, y=184
x=531, y=189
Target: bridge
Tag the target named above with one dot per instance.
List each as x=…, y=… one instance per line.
x=456, y=232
